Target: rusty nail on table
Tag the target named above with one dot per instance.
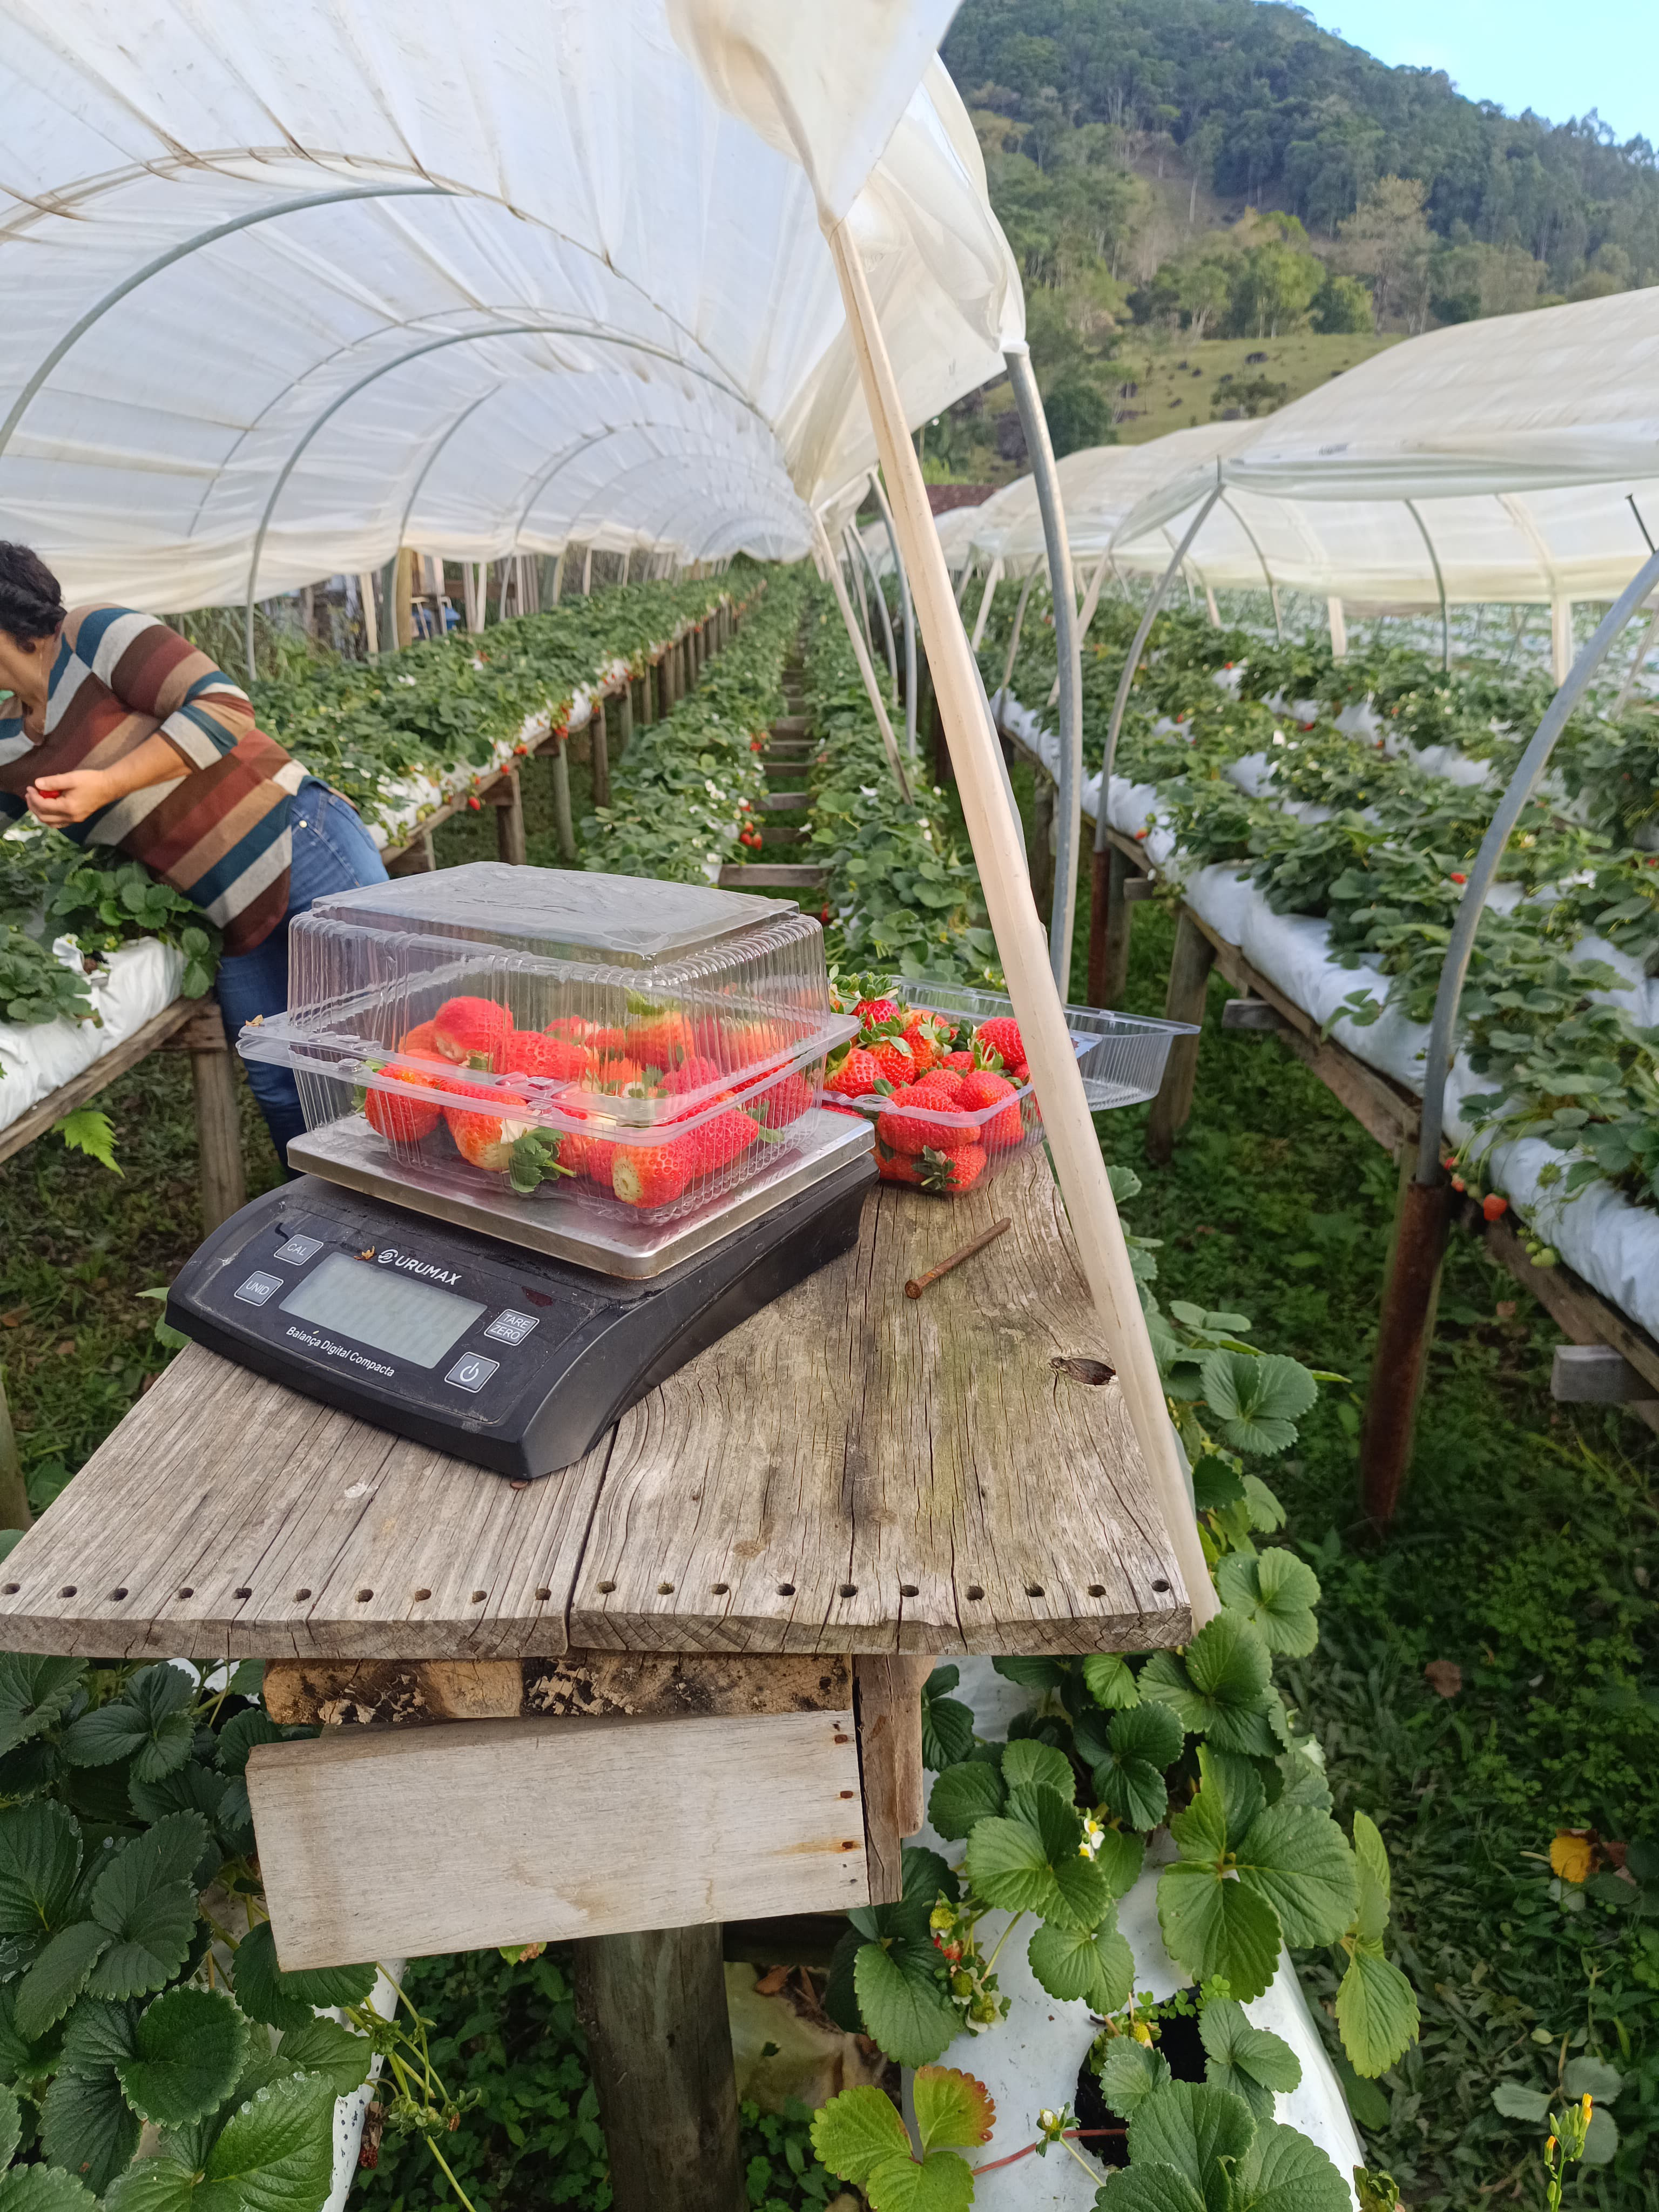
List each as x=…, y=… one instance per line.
x=918, y=1283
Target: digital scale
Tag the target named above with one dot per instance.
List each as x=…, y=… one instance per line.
x=506, y=1332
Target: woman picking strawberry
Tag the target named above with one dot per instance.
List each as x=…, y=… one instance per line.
x=119, y=732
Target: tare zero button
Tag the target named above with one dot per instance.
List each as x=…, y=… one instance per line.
x=471, y=1371
x=510, y=1327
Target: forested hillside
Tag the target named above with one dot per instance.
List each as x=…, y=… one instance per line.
x=1193, y=170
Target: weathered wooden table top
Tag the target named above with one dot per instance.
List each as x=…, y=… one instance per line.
x=849, y=1471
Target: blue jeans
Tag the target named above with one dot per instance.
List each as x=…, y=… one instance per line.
x=332, y=851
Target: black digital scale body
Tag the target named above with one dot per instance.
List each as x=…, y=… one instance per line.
x=486, y=1349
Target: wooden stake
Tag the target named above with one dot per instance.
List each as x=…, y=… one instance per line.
x=600, y=746
x=1190, y=975
x=508, y=802
x=1021, y=939
x=1411, y=1293
x=660, y=2045
x=218, y=1137
x=831, y=567
x=403, y=597
x=14, y=1495
x=561, y=802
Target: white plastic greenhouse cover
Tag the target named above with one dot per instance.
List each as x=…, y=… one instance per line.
x=1518, y=457
x=311, y=282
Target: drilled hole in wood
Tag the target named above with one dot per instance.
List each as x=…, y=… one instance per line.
x=974, y=1590
x=605, y=1589
x=68, y=1590
x=12, y=1589
x=187, y=1592
x=364, y=1596
x=1094, y=1371
x=542, y=1593
x=908, y=1590
x=849, y=1847
x=242, y=1593
x=785, y=1589
x=1034, y=1589
x=421, y=1596
x=301, y=1596
x=665, y=1589
x=478, y=1596
x=720, y=1589
x=117, y=1595
x=1096, y=1589
x=849, y=1793
x=1160, y=1587
x=849, y=1589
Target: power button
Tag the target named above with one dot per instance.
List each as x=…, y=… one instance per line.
x=471, y=1371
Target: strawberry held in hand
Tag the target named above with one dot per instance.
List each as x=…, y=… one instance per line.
x=470, y=1029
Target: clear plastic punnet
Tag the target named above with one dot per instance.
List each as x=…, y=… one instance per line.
x=946, y=1147
x=607, y=1040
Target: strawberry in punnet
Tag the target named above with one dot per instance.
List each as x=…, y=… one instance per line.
x=470, y=1029
x=984, y=1088
x=1001, y=1035
x=652, y=1175
x=555, y=1059
x=487, y=1136
x=946, y=1079
x=419, y=1039
x=399, y=1119
x=893, y=1057
x=925, y=1034
x=571, y=1026
x=958, y=1062
x=917, y=1121
x=871, y=1013
x=615, y=1074
x=715, y=1144
x=895, y=1167
x=858, y=1074
x=948, y=1174
x=602, y=1043
x=784, y=1100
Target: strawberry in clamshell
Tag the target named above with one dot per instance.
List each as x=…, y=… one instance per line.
x=489, y=1137
x=398, y=1119
x=471, y=1031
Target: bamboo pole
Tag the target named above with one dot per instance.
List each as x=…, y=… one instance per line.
x=993, y=578
x=1021, y=940
x=831, y=567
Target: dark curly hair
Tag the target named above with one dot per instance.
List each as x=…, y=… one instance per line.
x=31, y=603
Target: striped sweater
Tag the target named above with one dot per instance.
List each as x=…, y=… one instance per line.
x=219, y=832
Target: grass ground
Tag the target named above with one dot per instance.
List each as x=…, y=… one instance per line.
x=1180, y=382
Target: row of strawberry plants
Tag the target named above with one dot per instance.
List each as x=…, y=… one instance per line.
x=1355, y=830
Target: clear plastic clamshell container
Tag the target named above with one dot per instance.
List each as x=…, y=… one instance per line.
x=948, y=1150
x=610, y=1040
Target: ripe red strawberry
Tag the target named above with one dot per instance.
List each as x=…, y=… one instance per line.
x=948, y=1174
x=488, y=1137
x=651, y=1175
x=926, y=1037
x=1494, y=1205
x=784, y=1100
x=960, y=1061
x=857, y=1076
x=907, y=1125
x=983, y=1088
x=869, y=1013
x=600, y=1042
x=661, y=1041
x=946, y=1079
x=1020, y=1074
x=571, y=1026
x=697, y=1073
x=716, y=1142
x=893, y=1057
x=615, y=1074
x=419, y=1039
x=556, y=1060
x=401, y=1121
x=469, y=1029
x=1001, y=1035
x=895, y=1167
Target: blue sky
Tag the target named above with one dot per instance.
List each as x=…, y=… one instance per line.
x=1561, y=61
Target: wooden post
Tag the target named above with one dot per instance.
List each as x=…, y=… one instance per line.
x=1112, y=931
x=599, y=744
x=403, y=597
x=1042, y=846
x=624, y=718
x=659, y=2045
x=664, y=675
x=13, y=1494
x=1189, y=972
x=1411, y=1293
x=508, y=800
x=562, y=801
x=887, y=1696
x=218, y=1126
x=371, y=622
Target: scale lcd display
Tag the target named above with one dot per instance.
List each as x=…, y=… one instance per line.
x=377, y=1306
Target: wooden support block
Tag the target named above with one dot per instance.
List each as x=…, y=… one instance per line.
x=415, y=858
x=654, y=1685
x=1584, y=1314
x=783, y=802
x=1252, y=1014
x=1137, y=889
x=652, y=2008
x=495, y=1832
x=1190, y=975
x=889, y=1704
x=784, y=877
x=13, y=1494
x=220, y=1174
x=625, y=717
x=1595, y=1374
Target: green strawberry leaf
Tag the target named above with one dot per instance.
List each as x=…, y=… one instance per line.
x=11, y=2126
x=1257, y=1398
x=1371, y=1865
x=187, y=2056
x=35, y=1692
x=1110, y=1680
x=275, y=2155
x=1031, y=1862
x=99, y=2034
x=1216, y=1485
x=1129, y=2073
x=1026, y=1760
x=87, y=2125
x=150, y=1723
x=1031, y=1674
x=326, y=2047
x=1376, y=2011
x=1144, y=1741
x=1300, y=1862
x=924, y=1877
x=1284, y=2171
x=904, y=2008
x=265, y=1993
x=39, y=1861
x=43, y=2189
x=57, y=1977
x=857, y=2131
x=1248, y=2060
x=1214, y=1926
x=1192, y=2127
x=1222, y=1678
x=947, y=1725
x=963, y=1794
x=1096, y=1966
x=1278, y=1592
x=1148, y=2189
x=953, y=2110
x=148, y=1905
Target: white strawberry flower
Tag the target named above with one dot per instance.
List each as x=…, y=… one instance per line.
x=1094, y=1834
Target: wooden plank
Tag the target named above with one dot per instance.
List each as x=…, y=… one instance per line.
x=782, y=875
x=849, y=1471
x=783, y=802
x=583, y=1684
x=486, y=1832
x=1580, y=1312
x=91, y=1080
x=857, y=1471
x=889, y=1707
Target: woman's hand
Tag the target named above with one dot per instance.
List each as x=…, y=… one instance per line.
x=71, y=795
